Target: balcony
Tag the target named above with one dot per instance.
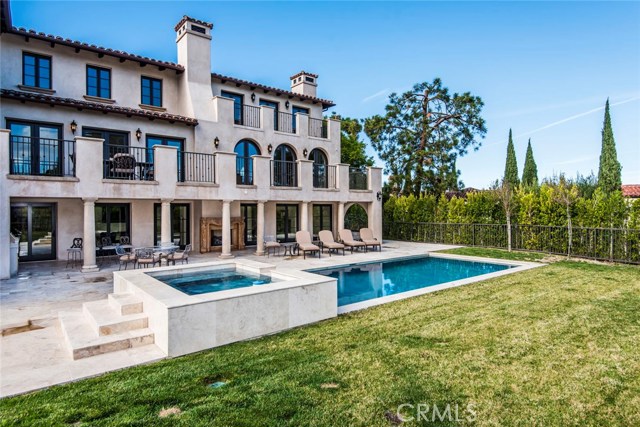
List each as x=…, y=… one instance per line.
x=358, y=179
x=246, y=115
x=324, y=176
x=196, y=167
x=284, y=173
x=128, y=163
x=318, y=128
x=41, y=156
x=286, y=123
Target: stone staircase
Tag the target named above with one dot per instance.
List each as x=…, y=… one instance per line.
x=105, y=326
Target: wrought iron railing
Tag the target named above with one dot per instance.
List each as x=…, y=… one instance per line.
x=284, y=174
x=318, y=128
x=196, y=167
x=608, y=244
x=244, y=170
x=126, y=162
x=285, y=123
x=324, y=176
x=250, y=116
x=358, y=179
x=41, y=156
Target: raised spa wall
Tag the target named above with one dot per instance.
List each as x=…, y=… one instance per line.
x=185, y=324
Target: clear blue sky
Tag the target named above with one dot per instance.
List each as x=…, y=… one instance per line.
x=542, y=68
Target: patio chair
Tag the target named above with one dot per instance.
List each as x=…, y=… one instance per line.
x=271, y=244
x=125, y=240
x=74, y=253
x=123, y=165
x=146, y=256
x=326, y=238
x=303, y=239
x=125, y=257
x=347, y=239
x=182, y=256
x=367, y=237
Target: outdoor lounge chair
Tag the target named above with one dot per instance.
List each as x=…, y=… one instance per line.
x=303, y=239
x=326, y=238
x=146, y=256
x=182, y=256
x=367, y=237
x=349, y=241
x=125, y=257
x=271, y=244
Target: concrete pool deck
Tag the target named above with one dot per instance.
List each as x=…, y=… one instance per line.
x=32, y=353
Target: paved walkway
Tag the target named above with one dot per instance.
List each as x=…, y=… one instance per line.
x=32, y=353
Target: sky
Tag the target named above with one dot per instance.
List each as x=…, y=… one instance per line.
x=544, y=69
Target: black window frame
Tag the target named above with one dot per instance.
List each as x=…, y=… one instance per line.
x=98, y=79
x=107, y=222
x=157, y=216
x=151, y=98
x=237, y=106
x=322, y=214
x=294, y=111
x=164, y=140
x=38, y=57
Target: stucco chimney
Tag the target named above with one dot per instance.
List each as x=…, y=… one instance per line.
x=304, y=83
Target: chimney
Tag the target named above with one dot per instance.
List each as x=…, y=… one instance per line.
x=304, y=83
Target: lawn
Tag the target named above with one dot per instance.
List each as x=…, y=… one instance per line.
x=557, y=345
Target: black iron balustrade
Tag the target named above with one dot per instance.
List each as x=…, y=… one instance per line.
x=250, y=116
x=284, y=173
x=285, y=123
x=244, y=170
x=358, y=179
x=324, y=176
x=196, y=167
x=41, y=156
x=129, y=163
x=318, y=128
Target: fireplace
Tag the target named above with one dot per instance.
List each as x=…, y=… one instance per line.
x=211, y=234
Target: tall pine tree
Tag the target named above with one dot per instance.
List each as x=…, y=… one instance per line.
x=530, y=171
x=609, y=179
x=511, y=168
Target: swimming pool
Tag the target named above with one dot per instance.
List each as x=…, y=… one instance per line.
x=373, y=280
x=202, y=281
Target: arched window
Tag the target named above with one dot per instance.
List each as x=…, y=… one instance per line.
x=284, y=167
x=244, y=163
x=321, y=168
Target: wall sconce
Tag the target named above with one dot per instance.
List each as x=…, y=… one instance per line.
x=216, y=142
x=138, y=134
x=269, y=148
x=286, y=105
x=74, y=127
x=253, y=97
x=305, y=152
x=379, y=196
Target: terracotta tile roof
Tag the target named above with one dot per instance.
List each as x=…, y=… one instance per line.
x=631, y=190
x=303, y=72
x=94, y=106
x=195, y=21
x=325, y=102
x=95, y=49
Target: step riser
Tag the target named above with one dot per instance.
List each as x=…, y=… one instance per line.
x=125, y=308
x=116, y=326
x=81, y=353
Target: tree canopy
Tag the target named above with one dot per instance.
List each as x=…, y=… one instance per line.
x=352, y=149
x=609, y=173
x=530, y=171
x=511, y=166
x=421, y=135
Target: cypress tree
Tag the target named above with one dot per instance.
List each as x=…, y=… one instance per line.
x=511, y=167
x=609, y=179
x=530, y=171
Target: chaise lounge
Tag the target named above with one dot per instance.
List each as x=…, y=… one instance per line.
x=326, y=238
x=347, y=239
x=367, y=238
x=303, y=239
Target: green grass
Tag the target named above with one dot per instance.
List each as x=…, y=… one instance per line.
x=556, y=345
x=497, y=253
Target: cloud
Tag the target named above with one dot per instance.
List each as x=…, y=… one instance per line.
x=378, y=94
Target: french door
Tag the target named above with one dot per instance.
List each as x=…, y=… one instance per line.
x=35, y=223
x=249, y=213
x=286, y=222
x=36, y=148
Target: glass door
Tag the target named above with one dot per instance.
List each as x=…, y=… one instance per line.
x=250, y=214
x=180, y=224
x=286, y=222
x=35, y=148
x=35, y=223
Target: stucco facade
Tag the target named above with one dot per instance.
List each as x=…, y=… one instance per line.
x=187, y=164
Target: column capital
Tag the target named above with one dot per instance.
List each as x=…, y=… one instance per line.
x=262, y=201
x=306, y=201
x=227, y=201
x=166, y=200
x=89, y=199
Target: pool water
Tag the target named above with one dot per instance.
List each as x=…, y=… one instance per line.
x=205, y=281
x=362, y=282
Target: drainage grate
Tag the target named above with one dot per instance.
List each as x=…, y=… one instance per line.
x=217, y=384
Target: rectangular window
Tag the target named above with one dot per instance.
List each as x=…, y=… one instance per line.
x=36, y=70
x=238, y=100
x=98, y=82
x=294, y=111
x=180, y=224
x=112, y=222
x=322, y=217
x=152, y=91
x=273, y=105
x=172, y=142
x=36, y=148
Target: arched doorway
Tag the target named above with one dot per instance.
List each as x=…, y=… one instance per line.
x=244, y=163
x=356, y=218
x=320, y=168
x=285, y=169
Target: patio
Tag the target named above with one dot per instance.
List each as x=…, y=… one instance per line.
x=32, y=352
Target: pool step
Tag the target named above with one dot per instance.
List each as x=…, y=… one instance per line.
x=82, y=341
x=106, y=320
x=125, y=303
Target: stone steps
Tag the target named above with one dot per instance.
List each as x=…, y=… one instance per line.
x=117, y=323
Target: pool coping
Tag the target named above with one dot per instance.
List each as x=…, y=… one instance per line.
x=517, y=266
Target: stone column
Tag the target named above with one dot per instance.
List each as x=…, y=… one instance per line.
x=304, y=216
x=89, y=239
x=340, y=217
x=226, y=229
x=260, y=228
x=5, y=207
x=165, y=221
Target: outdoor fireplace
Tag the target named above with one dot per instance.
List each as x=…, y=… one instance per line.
x=211, y=234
